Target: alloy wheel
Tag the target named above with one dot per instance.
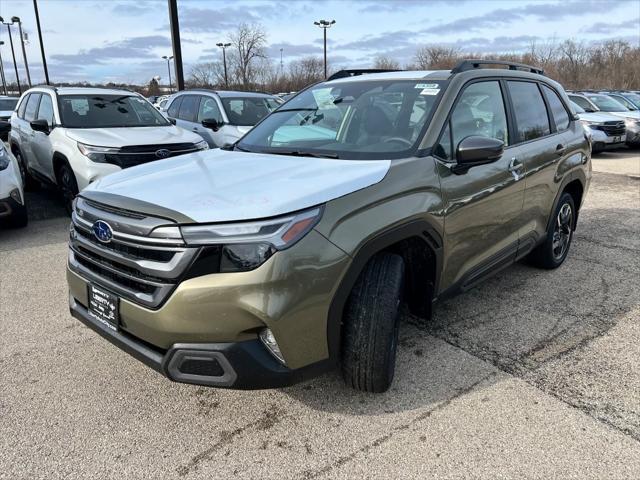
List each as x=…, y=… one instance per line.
x=562, y=231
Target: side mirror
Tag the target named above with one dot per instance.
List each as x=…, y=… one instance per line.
x=212, y=123
x=40, y=125
x=476, y=150
x=590, y=110
x=172, y=121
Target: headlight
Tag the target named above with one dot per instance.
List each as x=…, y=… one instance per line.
x=202, y=145
x=631, y=122
x=96, y=154
x=4, y=158
x=247, y=245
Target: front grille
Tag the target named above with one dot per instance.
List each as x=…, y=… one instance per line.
x=138, y=154
x=137, y=267
x=613, y=128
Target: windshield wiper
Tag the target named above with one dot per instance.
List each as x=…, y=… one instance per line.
x=295, y=110
x=299, y=153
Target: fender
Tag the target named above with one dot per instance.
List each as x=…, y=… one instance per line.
x=575, y=174
x=417, y=228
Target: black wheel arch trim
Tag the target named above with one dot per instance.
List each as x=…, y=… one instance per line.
x=382, y=240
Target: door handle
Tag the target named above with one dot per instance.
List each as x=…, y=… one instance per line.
x=560, y=149
x=515, y=165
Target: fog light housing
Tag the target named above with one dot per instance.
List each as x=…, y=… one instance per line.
x=15, y=194
x=269, y=341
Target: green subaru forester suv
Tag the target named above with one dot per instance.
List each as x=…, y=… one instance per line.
x=292, y=251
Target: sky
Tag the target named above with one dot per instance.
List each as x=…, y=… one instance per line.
x=124, y=40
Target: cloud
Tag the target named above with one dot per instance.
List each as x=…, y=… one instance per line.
x=606, y=28
x=290, y=50
x=135, y=47
x=382, y=41
x=400, y=5
x=504, y=16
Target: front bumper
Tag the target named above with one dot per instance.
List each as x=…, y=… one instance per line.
x=239, y=365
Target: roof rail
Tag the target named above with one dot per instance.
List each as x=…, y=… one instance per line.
x=471, y=64
x=362, y=71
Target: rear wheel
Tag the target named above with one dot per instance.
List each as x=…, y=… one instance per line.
x=555, y=248
x=371, y=319
x=68, y=186
x=28, y=182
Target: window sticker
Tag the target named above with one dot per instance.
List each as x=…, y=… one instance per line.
x=430, y=91
x=426, y=85
x=80, y=105
x=323, y=97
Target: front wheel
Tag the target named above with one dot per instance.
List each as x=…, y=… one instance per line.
x=552, y=253
x=371, y=319
x=68, y=186
x=28, y=182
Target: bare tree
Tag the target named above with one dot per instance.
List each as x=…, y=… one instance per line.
x=249, y=42
x=436, y=56
x=207, y=74
x=384, y=62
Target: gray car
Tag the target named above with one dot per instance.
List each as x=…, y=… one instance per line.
x=219, y=117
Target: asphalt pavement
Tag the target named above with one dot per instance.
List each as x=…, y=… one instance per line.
x=534, y=374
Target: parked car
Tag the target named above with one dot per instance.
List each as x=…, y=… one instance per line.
x=220, y=117
x=73, y=136
x=606, y=131
x=598, y=102
x=7, y=106
x=13, y=210
x=274, y=260
x=630, y=100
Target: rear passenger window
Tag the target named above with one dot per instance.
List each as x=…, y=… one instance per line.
x=32, y=107
x=479, y=112
x=530, y=111
x=23, y=106
x=208, y=110
x=174, y=107
x=560, y=115
x=189, y=108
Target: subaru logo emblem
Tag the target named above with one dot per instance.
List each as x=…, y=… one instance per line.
x=163, y=153
x=102, y=231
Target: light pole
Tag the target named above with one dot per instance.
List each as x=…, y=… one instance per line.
x=175, y=42
x=44, y=59
x=168, y=59
x=224, y=46
x=13, y=53
x=4, y=80
x=281, y=63
x=324, y=25
x=24, y=50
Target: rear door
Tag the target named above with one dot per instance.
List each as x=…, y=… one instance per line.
x=26, y=132
x=41, y=142
x=188, y=112
x=544, y=144
x=483, y=206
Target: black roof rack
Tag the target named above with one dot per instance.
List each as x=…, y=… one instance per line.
x=354, y=73
x=471, y=64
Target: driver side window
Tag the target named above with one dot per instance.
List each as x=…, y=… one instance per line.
x=209, y=109
x=480, y=111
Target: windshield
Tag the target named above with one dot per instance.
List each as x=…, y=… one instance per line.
x=624, y=101
x=8, y=103
x=607, y=104
x=108, y=111
x=354, y=120
x=576, y=108
x=247, y=111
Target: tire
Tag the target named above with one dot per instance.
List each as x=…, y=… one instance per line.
x=19, y=217
x=370, y=325
x=552, y=253
x=68, y=186
x=29, y=183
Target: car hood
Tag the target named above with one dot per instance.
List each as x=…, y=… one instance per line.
x=598, y=117
x=222, y=186
x=126, y=136
x=635, y=114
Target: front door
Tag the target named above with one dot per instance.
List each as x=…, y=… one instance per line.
x=483, y=207
x=41, y=148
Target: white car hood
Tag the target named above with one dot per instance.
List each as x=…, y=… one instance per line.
x=635, y=114
x=598, y=117
x=126, y=136
x=222, y=186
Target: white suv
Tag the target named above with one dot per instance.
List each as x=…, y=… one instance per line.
x=219, y=117
x=13, y=211
x=74, y=136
